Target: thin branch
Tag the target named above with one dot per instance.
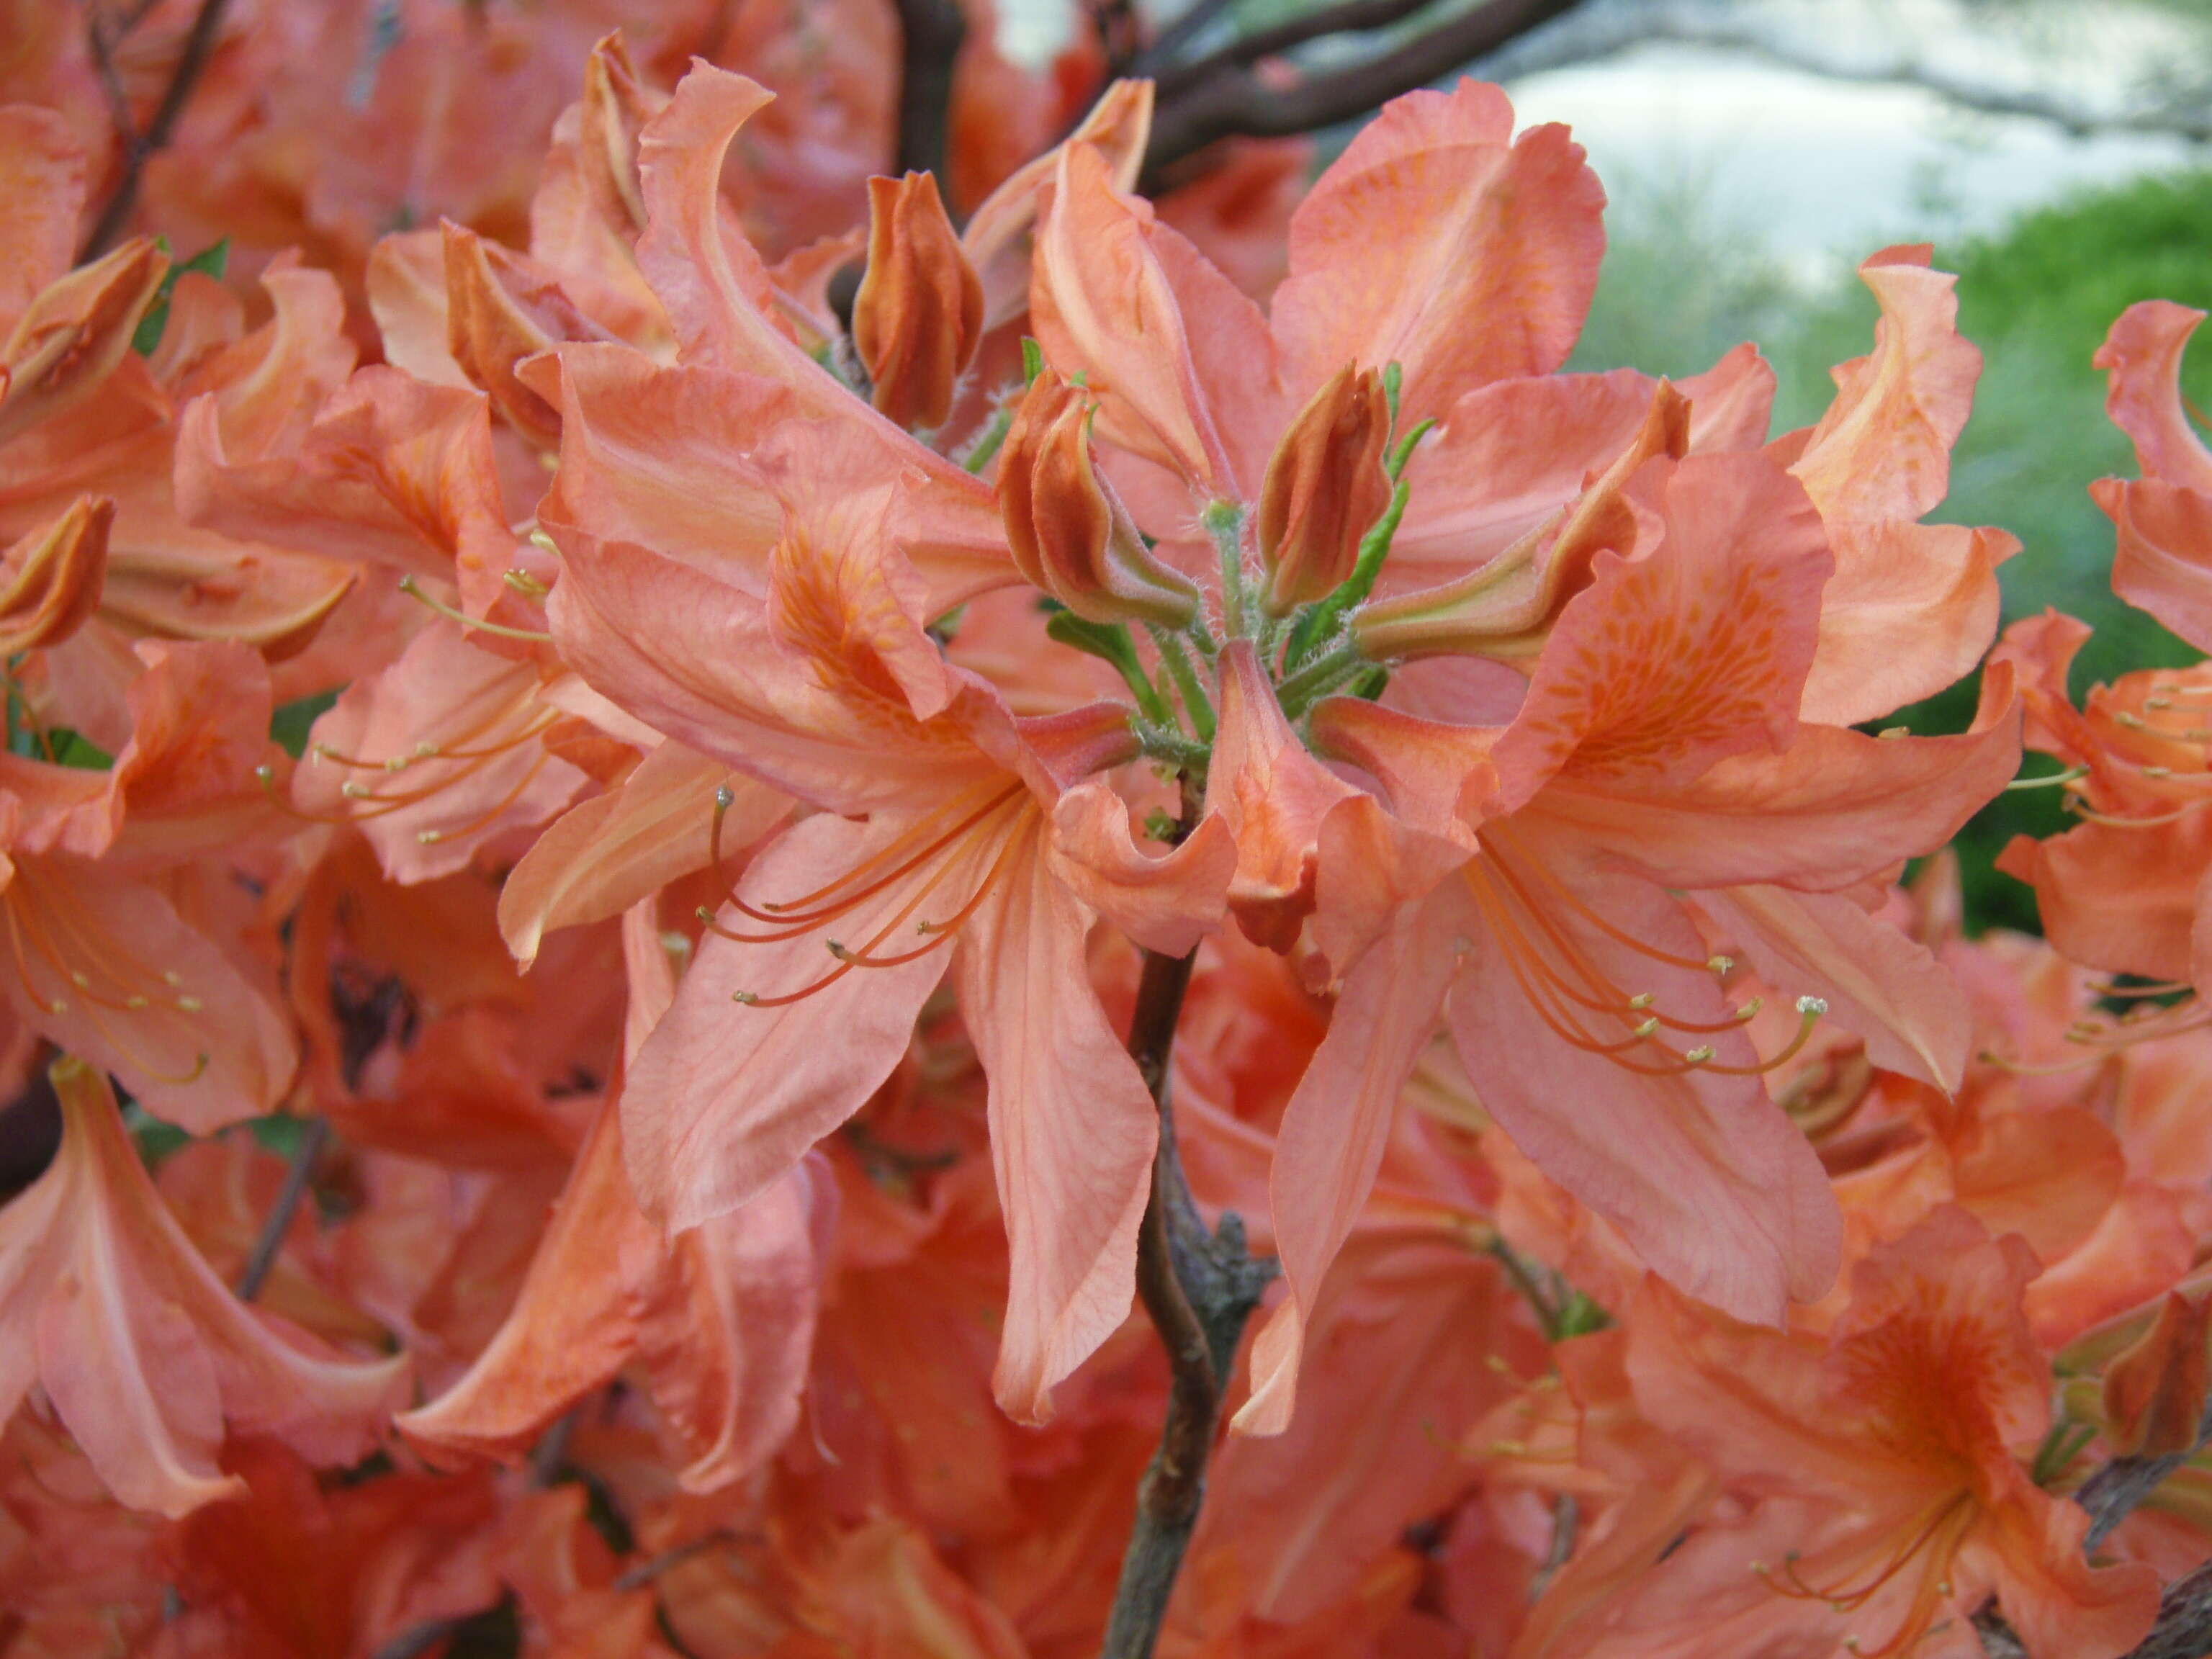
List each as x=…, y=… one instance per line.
x=120, y=114
x=2183, y=1630
x=139, y=148
x=1352, y=17
x=1120, y=32
x=2113, y=1493
x=931, y=33
x=1198, y=1287
x=314, y=1137
x=1177, y=35
x=1234, y=103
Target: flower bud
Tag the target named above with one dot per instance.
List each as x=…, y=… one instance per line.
x=1069, y=531
x=51, y=579
x=609, y=121
x=501, y=307
x=75, y=332
x=1505, y=608
x=1325, y=485
x=918, y=316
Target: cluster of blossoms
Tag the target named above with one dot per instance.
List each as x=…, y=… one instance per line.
x=648, y=780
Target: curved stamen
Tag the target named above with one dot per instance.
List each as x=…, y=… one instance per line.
x=430, y=837
x=795, y=917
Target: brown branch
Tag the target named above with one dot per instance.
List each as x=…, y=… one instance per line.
x=1198, y=1287
x=1120, y=32
x=1233, y=103
x=140, y=148
x=2113, y=1493
x=1352, y=17
x=931, y=33
x=314, y=1137
x=1177, y=35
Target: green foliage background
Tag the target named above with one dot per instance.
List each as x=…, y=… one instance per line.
x=1682, y=283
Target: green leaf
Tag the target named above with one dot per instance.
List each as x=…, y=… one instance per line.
x=1032, y=361
x=289, y=724
x=210, y=261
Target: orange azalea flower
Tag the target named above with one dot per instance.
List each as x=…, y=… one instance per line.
x=721, y=1317
x=847, y=926
x=121, y=916
x=1893, y=1450
x=86, y=419
x=1659, y=723
x=143, y=1352
x=2123, y=890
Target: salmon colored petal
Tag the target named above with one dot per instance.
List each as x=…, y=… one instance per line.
x=2163, y=559
x=1830, y=810
x=187, y=778
x=1072, y=1128
x=2049, y=1175
x=1165, y=903
x=1883, y=449
x=1911, y=610
x=487, y=770
x=394, y=472
x=1705, y=1177
x=1307, y=1515
x=51, y=577
x=1876, y=980
x=270, y=383
x=42, y=186
x=1744, y=1398
x=406, y=283
x=2140, y=1250
x=75, y=334
x=1680, y=658
x=2123, y=900
x=2047, y=1589
x=1273, y=795
x=501, y=307
x=590, y=207
x=702, y=465
x=666, y=457
x=727, y=1331
x=716, y=289
x=2142, y=357
x=573, y=1325
x=1335, y=1129
x=605, y=854
x=1508, y=456
x=198, y=1041
x=999, y=236
x=1732, y=403
x=726, y=1098
x=146, y=1355
x=1428, y=234
x=1103, y=306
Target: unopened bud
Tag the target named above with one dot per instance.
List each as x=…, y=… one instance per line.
x=1324, y=486
x=918, y=316
x=610, y=119
x=501, y=307
x=1505, y=608
x=1068, y=531
x=74, y=333
x=50, y=580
